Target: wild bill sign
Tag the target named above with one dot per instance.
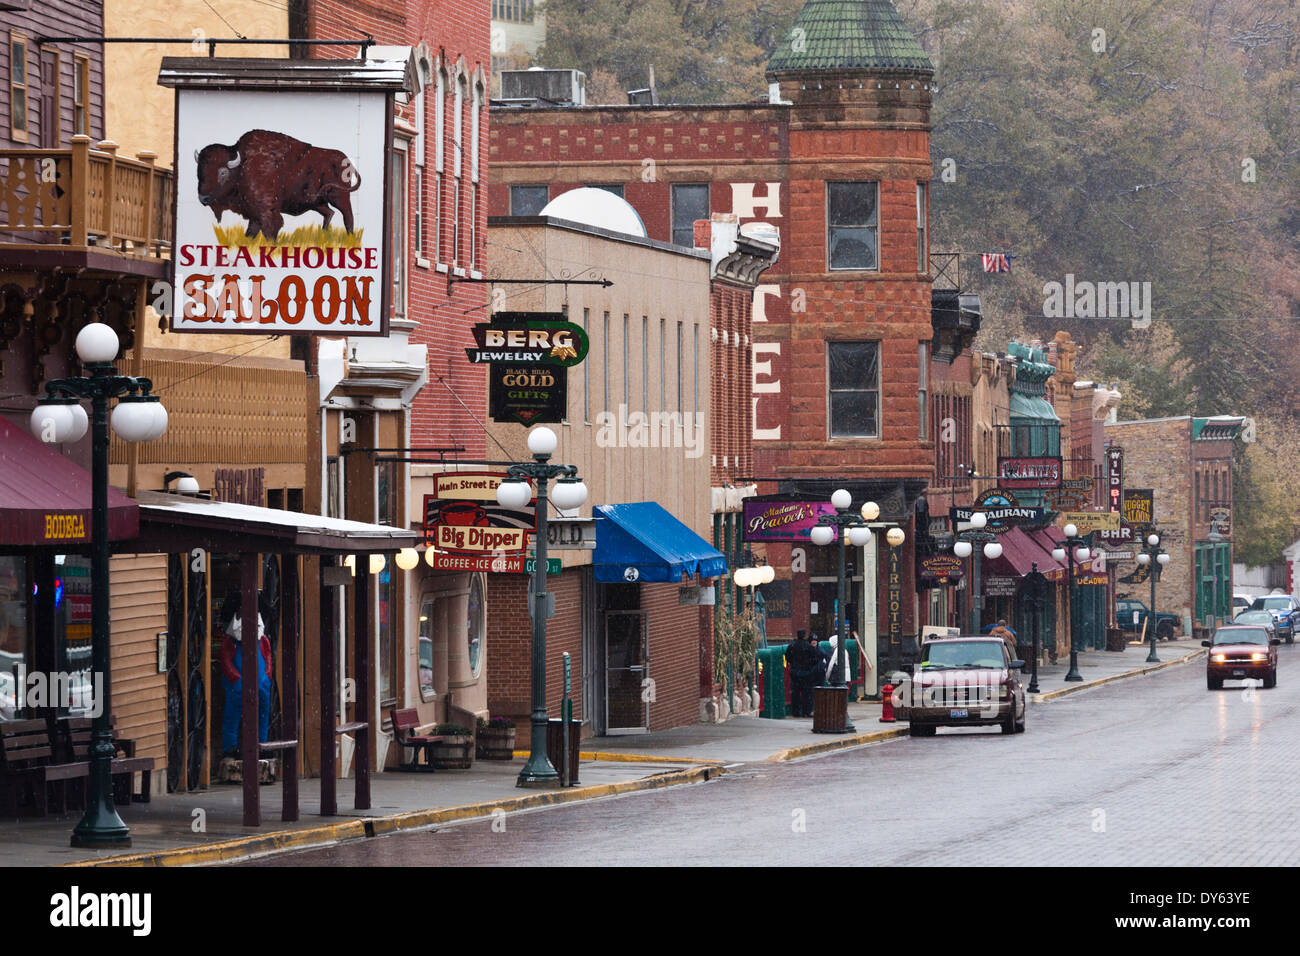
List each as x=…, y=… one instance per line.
x=281, y=212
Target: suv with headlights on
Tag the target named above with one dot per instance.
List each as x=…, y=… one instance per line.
x=1240, y=652
x=963, y=682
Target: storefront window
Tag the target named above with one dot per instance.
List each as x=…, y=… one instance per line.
x=425, y=650
x=474, y=630
x=72, y=626
x=13, y=629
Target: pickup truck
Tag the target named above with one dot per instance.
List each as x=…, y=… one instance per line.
x=1131, y=615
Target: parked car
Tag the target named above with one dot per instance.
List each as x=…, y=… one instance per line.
x=963, y=682
x=1238, y=652
x=1131, y=614
x=1285, y=610
x=1241, y=602
x=1262, y=619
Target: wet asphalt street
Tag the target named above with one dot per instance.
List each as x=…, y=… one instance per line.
x=1153, y=770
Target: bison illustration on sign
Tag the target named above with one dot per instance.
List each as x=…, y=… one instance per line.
x=266, y=175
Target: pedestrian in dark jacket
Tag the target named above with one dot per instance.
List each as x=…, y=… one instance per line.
x=800, y=660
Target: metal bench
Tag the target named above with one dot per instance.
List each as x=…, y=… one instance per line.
x=405, y=723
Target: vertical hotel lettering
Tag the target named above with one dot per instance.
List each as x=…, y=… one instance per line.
x=744, y=204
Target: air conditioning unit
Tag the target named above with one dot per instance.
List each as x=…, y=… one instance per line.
x=544, y=87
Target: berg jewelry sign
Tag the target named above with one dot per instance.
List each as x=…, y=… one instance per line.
x=282, y=215
x=529, y=355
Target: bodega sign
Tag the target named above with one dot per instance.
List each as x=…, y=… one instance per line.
x=282, y=224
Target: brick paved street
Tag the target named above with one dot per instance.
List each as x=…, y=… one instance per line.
x=1138, y=772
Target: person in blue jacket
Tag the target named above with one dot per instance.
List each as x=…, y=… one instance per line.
x=232, y=664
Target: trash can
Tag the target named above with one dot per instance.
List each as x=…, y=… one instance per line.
x=555, y=746
x=1116, y=639
x=772, y=660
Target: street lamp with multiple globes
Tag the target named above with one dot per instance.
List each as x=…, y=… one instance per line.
x=1157, y=558
x=138, y=416
x=856, y=533
x=514, y=492
x=964, y=547
x=1076, y=549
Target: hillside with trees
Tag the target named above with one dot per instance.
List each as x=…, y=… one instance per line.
x=1147, y=141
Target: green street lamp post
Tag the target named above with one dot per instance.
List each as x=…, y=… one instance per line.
x=1156, y=558
x=139, y=416
x=1076, y=549
x=965, y=547
x=849, y=529
x=514, y=492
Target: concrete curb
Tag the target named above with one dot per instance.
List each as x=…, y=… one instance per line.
x=317, y=837
x=840, y=743
x=616, y=757
x=1053, y=695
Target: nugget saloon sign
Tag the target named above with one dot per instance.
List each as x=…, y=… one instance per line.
x=281, y=215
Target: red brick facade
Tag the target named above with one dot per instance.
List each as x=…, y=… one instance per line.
x=455, y=32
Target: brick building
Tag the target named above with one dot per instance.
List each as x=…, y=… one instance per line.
x=838, y=164
x=1187, y=463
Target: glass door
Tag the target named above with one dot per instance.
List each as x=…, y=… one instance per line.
x=629, y=690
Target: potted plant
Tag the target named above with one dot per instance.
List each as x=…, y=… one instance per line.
x=456, y=751
x=496, y=738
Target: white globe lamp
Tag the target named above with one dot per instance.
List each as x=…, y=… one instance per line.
x=96, y=344
x=962, y=549
x=841, y=500
x=822, y=535
x=542, y=442
x=992, y=550
x=513, y=494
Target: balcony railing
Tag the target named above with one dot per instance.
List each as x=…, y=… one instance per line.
x=86, y=197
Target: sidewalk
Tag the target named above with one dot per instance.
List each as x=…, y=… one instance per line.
x=163, y=831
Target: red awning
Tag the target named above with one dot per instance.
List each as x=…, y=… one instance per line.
x=1042, y=540
x=45, y=498
x=1019, y=555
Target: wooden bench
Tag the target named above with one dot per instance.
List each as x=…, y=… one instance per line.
x=405, y=724
x=26, y=768
x=73, y=737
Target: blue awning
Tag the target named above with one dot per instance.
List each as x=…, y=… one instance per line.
x=644, y=536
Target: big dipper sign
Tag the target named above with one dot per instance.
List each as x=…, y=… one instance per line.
x=282, y=218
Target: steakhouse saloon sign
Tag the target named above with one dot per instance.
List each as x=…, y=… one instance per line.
x=280, y=212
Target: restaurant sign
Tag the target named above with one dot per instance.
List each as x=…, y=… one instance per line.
x=1029, y=472
x=280, y=212
x=462, y=517
x=782, y=520
x=1000, y=508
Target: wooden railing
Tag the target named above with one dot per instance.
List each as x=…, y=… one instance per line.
x=86, y=197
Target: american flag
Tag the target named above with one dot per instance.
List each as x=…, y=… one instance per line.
x=996, y=262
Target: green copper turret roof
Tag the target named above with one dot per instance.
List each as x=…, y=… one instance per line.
x=849, y=35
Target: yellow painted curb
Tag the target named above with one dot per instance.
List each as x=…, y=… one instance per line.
x=237, y=848
x=841, y=743
x=1053, y=695
x=231, y=850
x=615, y=757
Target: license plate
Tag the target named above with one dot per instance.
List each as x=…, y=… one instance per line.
x=1238, y=673
x=958, y=713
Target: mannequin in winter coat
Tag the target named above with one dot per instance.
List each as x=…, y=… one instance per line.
x=232, y=663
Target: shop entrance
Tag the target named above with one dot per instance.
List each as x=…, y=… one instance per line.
x=628, y=688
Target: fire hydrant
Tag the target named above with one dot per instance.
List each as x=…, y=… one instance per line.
x=887, y=704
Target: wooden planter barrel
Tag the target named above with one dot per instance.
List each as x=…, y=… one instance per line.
x=830, y=710
x=453, y=753
x=496, y=743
